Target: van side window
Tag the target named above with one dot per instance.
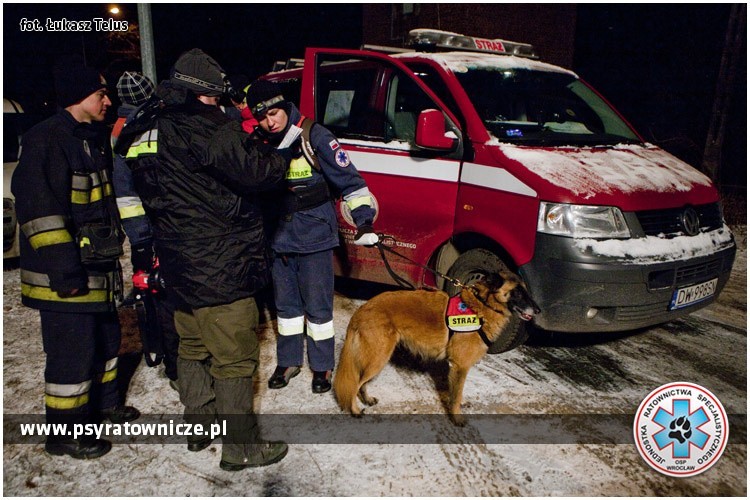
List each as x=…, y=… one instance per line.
x=346, y=99
x=404, y=103
x=435, y=82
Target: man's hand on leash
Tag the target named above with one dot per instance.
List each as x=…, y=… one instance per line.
x=365, y=236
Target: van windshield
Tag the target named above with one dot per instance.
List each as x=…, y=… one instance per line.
x=542, y=107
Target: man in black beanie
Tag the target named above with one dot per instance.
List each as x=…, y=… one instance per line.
x=70, y=245
x=199, y=176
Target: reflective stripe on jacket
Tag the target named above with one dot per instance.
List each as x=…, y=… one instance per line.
x=63, y=182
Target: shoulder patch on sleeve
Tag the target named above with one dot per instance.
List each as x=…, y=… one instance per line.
x=334, y=145
x=342, y=158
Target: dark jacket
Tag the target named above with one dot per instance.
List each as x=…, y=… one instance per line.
x=198, y=175
x=316, y=229
x=61, y=184
x=133, y=217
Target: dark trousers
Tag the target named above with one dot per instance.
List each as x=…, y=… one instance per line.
x=81, y=369
x=303, y=291
x=170, y=338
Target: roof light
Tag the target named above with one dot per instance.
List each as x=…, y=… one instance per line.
x=428, y=39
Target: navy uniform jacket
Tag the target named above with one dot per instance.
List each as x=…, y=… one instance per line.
x=316, y=229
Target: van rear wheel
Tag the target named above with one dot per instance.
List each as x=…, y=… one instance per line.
x=471, y=267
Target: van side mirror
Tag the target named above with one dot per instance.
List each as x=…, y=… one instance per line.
x=431, y=133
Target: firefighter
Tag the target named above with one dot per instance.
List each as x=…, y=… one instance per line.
x=70, y=244
x=198, y=175
x=306, y=235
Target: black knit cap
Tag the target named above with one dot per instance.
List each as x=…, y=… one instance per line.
x=199, y=72
x=74, y=82
x=264, y=95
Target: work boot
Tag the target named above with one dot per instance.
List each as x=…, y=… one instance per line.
x=281, y=376
x=321, y=382
x=196, y=393
x=199, y=444
x=119, y=414
x=242, y=446
x=81, y=449
x=260, y=456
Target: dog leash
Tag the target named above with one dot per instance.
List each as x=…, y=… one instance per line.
x=382, y=248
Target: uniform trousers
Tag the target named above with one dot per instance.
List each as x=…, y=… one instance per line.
x=81, y=368
x=303, y=292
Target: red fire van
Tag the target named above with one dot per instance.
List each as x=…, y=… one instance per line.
x=481, y=158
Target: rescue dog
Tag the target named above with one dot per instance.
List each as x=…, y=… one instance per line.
x=416, y=320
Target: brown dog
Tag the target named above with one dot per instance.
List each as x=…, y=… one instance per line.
x=416, y=319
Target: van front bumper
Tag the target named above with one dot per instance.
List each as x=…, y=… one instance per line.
x=580, y=291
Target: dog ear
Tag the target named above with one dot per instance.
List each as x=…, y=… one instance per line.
x=494, y=281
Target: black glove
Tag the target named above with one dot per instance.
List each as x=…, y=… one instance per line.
x=286, y=153
x=365, y=236
x=142, y=257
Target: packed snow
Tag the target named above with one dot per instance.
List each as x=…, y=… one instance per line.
x=555, y=374
x=591, y=171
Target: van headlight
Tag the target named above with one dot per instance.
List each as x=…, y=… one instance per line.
x=582, y=221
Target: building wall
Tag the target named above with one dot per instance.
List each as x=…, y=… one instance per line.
x=550, y=28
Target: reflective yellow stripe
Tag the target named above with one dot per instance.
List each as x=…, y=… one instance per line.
x=299, y=169
x=149, y=147
x=96, y=194
x=79, y=197
x=109, y=376
x=131, y=211
x=320, y=332
x=49, y=238
x=359, y=202
x=43, y=293
x=60, y=403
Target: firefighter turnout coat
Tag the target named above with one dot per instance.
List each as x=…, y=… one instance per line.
x=62, y=185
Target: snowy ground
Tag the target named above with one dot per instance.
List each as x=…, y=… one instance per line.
x=553, y=374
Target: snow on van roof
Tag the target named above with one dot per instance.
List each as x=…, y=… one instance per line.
x=626, y=168
x=460, y=62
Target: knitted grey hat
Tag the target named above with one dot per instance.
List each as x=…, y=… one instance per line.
x=199, y=72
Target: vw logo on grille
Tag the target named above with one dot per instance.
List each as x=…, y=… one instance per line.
x=690, y=221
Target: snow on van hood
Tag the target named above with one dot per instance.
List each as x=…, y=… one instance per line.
x=653, y=249
x=587, y=172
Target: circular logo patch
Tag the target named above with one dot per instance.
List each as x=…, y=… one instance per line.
x=681, y=429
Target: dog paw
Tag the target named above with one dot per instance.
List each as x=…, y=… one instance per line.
x=458, y=420
x=370, y=401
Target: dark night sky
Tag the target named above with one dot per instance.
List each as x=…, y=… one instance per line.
x=657, y=63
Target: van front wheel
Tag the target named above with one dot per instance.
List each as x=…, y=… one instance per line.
x=471, y=267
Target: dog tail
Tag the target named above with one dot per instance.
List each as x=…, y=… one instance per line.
x=347, y=379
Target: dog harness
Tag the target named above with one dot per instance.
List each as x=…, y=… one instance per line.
x=461, y=318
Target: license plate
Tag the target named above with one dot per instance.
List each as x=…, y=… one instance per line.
x=690, y=295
